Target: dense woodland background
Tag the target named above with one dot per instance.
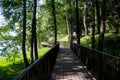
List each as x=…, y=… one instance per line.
x=92, y=23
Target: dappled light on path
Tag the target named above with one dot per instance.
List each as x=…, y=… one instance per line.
x=68, y=67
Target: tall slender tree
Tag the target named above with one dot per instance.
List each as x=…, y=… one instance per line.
x=69, y=20
x=32, y=41
x=54, y=17
x=33, y=34
x=24, y=35
x=31, y=52
x=34, y=25
x=77, y=23
x=93, y=26
x=102, y=26
x=68, y=6
x=84, y=19
x=101, y=38
x=98, y=15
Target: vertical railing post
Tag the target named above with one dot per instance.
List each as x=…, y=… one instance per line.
x=100, y=77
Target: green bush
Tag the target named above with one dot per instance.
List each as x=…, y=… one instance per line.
x=111, y=43
x=9, y=68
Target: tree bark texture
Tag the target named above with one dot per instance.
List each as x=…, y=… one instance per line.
x=77, y=23
x=98, y=15
x=54, y=17
x=93, y=26
x=24, y=35
x=33, y=34
x=84, y=20
x=31, y=52
x=34, y=25
x=102, y=26
x=101, y=39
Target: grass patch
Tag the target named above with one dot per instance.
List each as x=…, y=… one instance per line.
x=9, y=68
x=43, y=51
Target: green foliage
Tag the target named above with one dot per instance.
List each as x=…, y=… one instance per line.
x=12, y=11
x=111, y=43
x=12, y=65
x=87, y=41
x=45, y=20
x=8, y=69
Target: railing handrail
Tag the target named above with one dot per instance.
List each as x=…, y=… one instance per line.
x=26, y=70
x=19, y=76
x=101, y=52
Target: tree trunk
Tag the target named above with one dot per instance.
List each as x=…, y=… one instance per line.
x=68, y=27
x=31, y=52
x=54, y=17
x=98, y=16
x=71, y=32
x=77, y=22
x=84, y=20
x=101, y=39
x=34, y=25
x=33, y=34
x=102, y=27
x=24, y=35
x=93, y=26
x=68, y=17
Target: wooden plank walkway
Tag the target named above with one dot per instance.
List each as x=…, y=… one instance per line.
x=68, y=67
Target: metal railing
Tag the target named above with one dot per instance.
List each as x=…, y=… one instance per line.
x=103, y=66
x=41, y=68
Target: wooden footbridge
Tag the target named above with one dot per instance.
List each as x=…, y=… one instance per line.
x=75, y=63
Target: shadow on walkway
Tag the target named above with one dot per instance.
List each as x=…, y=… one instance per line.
x=68, y=67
